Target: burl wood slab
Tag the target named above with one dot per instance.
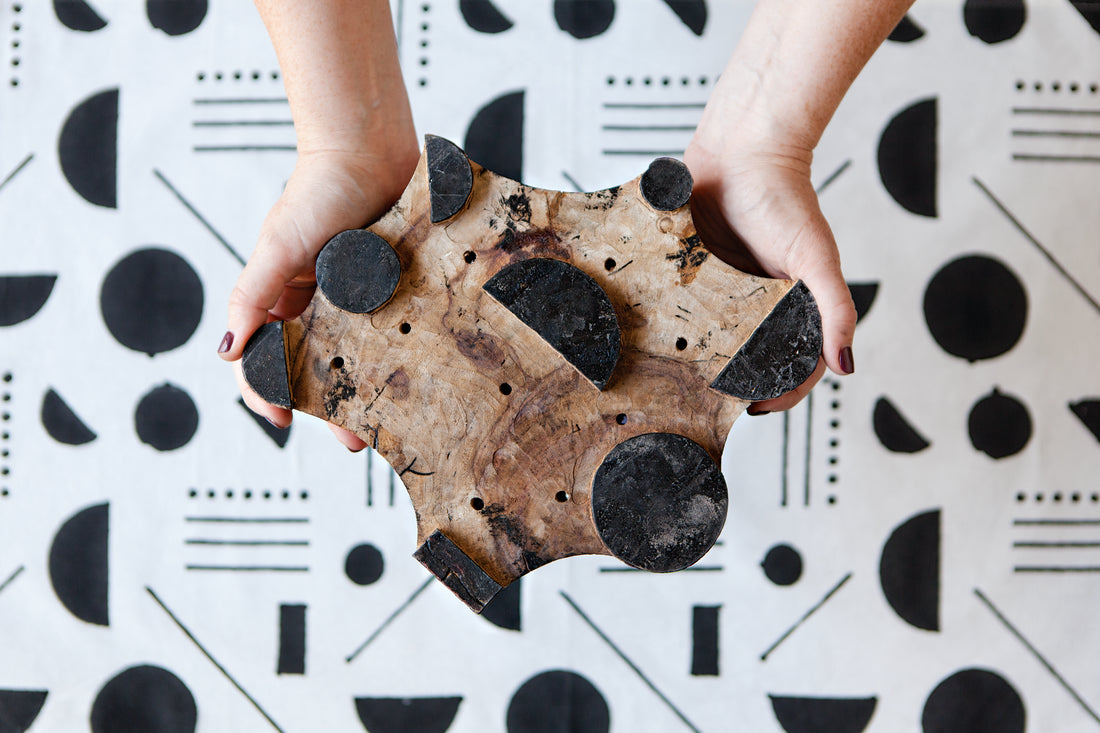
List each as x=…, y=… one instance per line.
x=550, y=374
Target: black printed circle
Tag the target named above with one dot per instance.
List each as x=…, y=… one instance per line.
x=364, y=564
x=152, y=301
x=556, y=701
x=973, y=701
x=975, y=307
x=999, y=425
x=166, y=418
x=144, y=698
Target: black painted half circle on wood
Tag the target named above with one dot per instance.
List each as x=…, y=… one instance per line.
x=264, y=364
x=780, y=354
x=666, y=184
x=994, y=21
x=78, y=564
x=176, y=17
x=358, y=271
x=495, y=136
x=895, y=432
x=406, y=714
x=22, y=296
x=907, y=160
x=78, y=15
x=567, y=308
x=144, y=698
x=659, y=501
x=19, y=709
x=61, y=422
x=906, y=31
x=832, y=714
x=88, y=149
x=483, y=16
x=909, y=570
x=1088, y=412
x=450, y=178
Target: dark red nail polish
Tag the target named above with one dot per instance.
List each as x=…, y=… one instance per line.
x=227, y=342
x=274, y=424
x=847, y=361
x=753, y=412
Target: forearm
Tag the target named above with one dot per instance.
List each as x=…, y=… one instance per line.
x=794, y=63
x=341, y=72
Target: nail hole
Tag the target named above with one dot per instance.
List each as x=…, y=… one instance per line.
x=681, y=343
x=562, y=496
x=621, y=418
x=477, y=503
x=609, y=264
x=337, y=362
x=405, y=328
x=470, y=256
x=505, y=389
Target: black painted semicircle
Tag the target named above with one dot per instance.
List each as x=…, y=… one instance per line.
x=166, y=418
x=78, y=15
x=556, y=701
x=999, y=425
x=895, y=432
x=567, y=308
x=78, y=564
x=906, y=31
x=88, y=149
x=907, y=157
x=20, y=708
x=994, y=21
x=494, y=139
x=1089, y=10
x=812, y=714
x=909, y=571
x=144, y=698
x=503, y=610
x=483, y=16
x=586, y=19
x=176, y=17
x=863, y=296
x=406, y=714
x=61, y=422
x=693, y=13
x=22, y=296
x=974, y=701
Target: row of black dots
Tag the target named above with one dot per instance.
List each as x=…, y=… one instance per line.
x=16, y=43
x=1072, y=87
x=833, y=457
x=663, y=81
x=255, y=75
x=423, y=61
x=249, y=494
x=1058, y=497
x=5, y=435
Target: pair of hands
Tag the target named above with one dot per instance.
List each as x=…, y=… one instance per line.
x=755, y=209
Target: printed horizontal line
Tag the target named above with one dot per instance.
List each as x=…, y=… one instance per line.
x=249, y=543
x=251, y=568
x=243, y=148
x=250, y=520
x=1055, y=522
x=242, y=123
x=647, y=153
x=1055, y=544
x=1055, y=133
x=654, y=105
x=1057, y=569
x=650, y=128
x=242, y=100
x=696, y=569
x=1054, y=111
x=1058, y=158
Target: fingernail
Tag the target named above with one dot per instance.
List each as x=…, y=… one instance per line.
x=274, y=424
x=847, y=361
x=227, y=342
x=757, y=413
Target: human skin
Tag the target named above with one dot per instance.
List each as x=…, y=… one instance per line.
x=750, y=157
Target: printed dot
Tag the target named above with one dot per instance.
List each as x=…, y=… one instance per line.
x=647, y=81
x=5, y=471
x=6, y=416
x=629, y=81
x=424, y=44
x=1019, y=85
x=831, y=500
x=15, y=82
x=5, y=436
x=1075, y=497
x=834, y=424
x=193, y=493
x=15, y=62
x=15, y=43
x=218, y=76
x=229, y=493
x=267, y=494
x=423, y=82
x=610, y=81
x=17, y=8
x=835, y=405
x=832, y=460
x=1056, y=86
x=304, y=495
x=1095, y=498
x=7, y=376
x=1021, y=498
x=6, y=397
x=1039, y=497
x=255, y=76
x=782, y=565
x=248, y=494
x=16, y=27
x=286, y=495
x=364, y=564
x=973, y=700
x=4, y=493
x=1074, y=87
x=200, y=76
x=665, y=81
x=1038, y=86
x=5, y=453
x=237, y=75
x=836, y=386
x=424, y=27
x=832, y=478
x=1093, y=88
x=423, y=62
x=685, y=81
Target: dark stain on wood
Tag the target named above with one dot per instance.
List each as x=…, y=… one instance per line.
x=601, y=200
x=689, y=258
x=480, y=348
x=398, y=382
x=342, y=389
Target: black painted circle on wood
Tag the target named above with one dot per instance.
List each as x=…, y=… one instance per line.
x=166, y=418
x=450, y=178
x=144, y=699
x=782, y=565
x=975, y=307
x=358, y=271
x=364, y=564
x=666, y=184
x=558, y=701
x=999, y=425
x=152, y=301
x=974, y=701
x=659, y=501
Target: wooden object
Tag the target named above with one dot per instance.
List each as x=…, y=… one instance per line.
x=550, y=374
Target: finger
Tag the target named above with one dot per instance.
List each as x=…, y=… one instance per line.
x=817, y=264
x=790, y=399
x=277, y=416
x=350, y=440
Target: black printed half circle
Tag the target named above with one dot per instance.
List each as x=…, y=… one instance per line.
x=567, y=308
x=401, y=715
x=61, y=422
x=907, y=158
x=22, y=296
x=895, y=432
x=910, y=571
x=836, y=715
x=78, y=564
x=88, y=149
x=19, y=709
x=78, y=15
x=483, y=16
x=494, y=138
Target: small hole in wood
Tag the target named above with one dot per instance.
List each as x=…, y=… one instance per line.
x=681, y=343
x=470, y=256
x=506, y=389
x=477, y=503
x=562, y=496
x=404, y=328
x=621, y=418
x=609, y=264
x=337, y=362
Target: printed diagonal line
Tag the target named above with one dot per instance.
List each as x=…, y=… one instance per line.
x=11, y=577
x=199, y=216
x=629, y=663
x=15, y=172
x=393, y=616
x=1035, y=242
x=215, y=662
x=833, y=176
x=1050, y=668
x=572, y=181
x=805, y=616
